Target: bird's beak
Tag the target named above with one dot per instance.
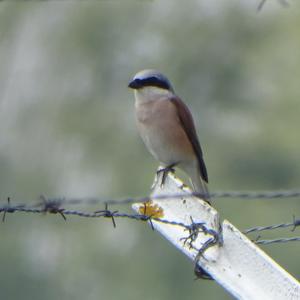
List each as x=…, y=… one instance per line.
x=135, y=84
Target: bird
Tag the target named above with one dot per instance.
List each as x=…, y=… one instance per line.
x=166, y=126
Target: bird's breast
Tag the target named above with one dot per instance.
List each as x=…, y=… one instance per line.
x=161, y=131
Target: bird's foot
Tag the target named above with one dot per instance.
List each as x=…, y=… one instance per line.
x=165, y=172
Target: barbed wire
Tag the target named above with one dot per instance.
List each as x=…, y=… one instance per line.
x=283, y=3
x=262, y=195
x=54, y=206
x=212, y=195
x=294, y=224
x=277, y=241
x=193, y=227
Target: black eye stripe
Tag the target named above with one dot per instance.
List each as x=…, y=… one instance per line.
x=154, y=81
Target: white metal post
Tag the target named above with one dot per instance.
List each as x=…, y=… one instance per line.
x=235, y=262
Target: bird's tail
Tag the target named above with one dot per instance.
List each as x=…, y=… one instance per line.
x=198, y=184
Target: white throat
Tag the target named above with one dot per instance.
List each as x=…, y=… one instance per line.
x=151, y=93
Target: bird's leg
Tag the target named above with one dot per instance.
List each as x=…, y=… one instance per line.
x=165, y=172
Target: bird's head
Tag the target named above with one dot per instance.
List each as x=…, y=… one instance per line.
x=150, y=83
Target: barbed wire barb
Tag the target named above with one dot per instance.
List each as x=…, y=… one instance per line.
x=4, y=213
x=108, y=214
x=52, y=206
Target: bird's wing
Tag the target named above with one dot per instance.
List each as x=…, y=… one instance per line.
x=188, y=125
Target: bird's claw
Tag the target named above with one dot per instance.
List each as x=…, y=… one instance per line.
x=165, y=172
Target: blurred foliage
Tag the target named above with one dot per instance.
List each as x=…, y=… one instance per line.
x=67, y=129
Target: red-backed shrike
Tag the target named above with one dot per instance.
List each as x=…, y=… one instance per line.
x=167, y=128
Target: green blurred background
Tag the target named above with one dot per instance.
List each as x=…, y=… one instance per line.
x=67, y=129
